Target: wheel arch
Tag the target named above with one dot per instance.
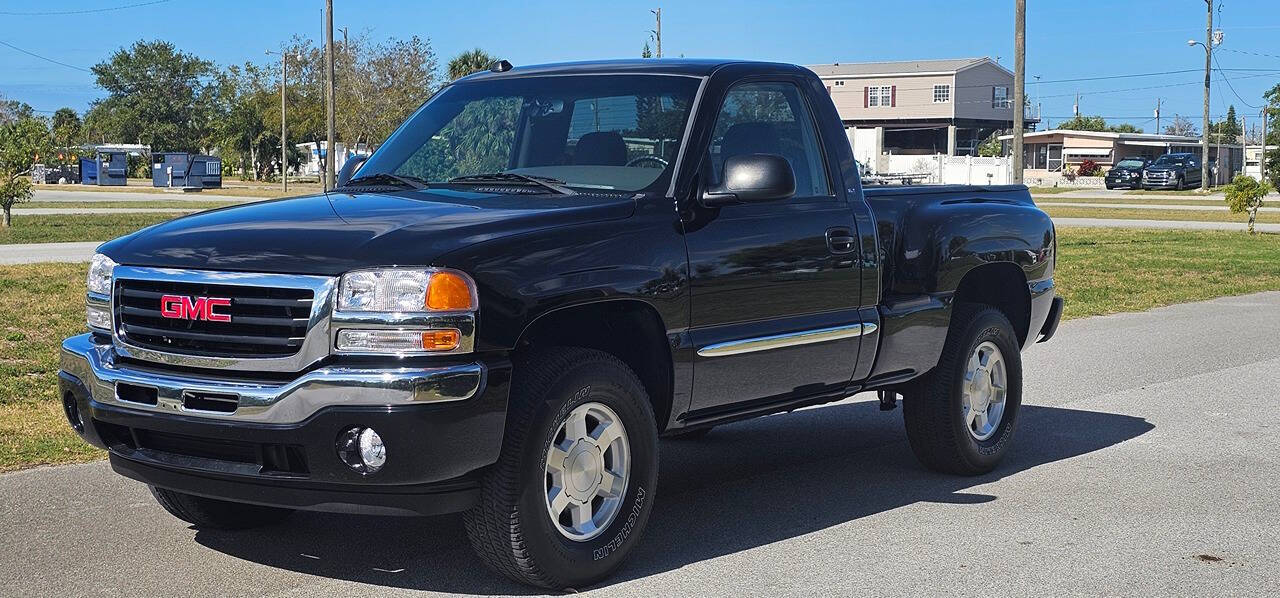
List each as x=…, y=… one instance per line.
x=629, y=329
x=1002, y=285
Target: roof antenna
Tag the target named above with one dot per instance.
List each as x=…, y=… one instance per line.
x=500, y=66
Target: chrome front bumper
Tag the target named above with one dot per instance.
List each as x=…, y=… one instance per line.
x=93, y=363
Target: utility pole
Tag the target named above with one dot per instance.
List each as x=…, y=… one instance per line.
x=329, y=169
x=284, y=131
x=1208, y=55
x=1019, y=82
x=1158, y=100
x=657, y=33
x=1262, y=160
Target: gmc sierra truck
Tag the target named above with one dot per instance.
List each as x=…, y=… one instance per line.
x=540, y=273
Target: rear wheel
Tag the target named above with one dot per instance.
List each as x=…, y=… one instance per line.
x=216, y=514
x=572, y=491
x=960, y=417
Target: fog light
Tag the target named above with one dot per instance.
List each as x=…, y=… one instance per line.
x=98, y=316
x=362, y=450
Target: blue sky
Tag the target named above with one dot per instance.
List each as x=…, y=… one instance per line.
x=1065, y=40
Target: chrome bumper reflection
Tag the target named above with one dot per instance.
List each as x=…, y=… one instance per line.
x=287, y=402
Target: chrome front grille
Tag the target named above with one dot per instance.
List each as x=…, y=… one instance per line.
x=263, y=321
x=278, y=322
x=1159, y=176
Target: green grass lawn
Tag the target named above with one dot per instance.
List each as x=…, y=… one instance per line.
x=1100, y=271
x=75, y=227
x=1141, y=214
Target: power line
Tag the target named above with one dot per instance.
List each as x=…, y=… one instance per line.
x=85, y=11
x=1248, y=52
x=70, y=66
x=1230, y=86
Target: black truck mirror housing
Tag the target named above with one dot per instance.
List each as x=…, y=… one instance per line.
x=751, y=178
x=349, y=168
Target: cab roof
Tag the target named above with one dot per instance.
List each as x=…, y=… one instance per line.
x=692, y=67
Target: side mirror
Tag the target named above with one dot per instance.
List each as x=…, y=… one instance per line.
x=752, y=178
x=349, y=168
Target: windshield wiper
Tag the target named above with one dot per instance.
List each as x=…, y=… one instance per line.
x=546, y=182
x=386, y=178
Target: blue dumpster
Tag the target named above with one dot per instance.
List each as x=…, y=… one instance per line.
x=169, y=169
x=208, y=169
x=113, y=169
x=88, y=171
x=184, y=170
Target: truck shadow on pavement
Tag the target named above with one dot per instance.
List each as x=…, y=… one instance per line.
x=743, y=486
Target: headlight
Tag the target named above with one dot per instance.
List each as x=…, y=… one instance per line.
x=100, y=268
x=405, y=311
x=406, y=291
x=98, y=299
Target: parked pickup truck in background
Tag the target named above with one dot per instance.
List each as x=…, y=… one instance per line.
x=540, y=273
x=1172, y=171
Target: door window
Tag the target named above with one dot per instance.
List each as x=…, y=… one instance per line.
x=770, y=118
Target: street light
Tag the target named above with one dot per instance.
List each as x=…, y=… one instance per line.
x=1211, y=39
x=284, y=142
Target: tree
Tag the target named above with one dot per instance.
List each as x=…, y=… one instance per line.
x=1227, y=130
x=1245, y=194
x=1084, y=123
x=1181, y=126
x=66, y=129
x=13, y=110
x=469, y=62
x=1272, y=157
x=1124, y=128
x=156, y=95
x=991, y=147
x=21, y=141
x=646, y=52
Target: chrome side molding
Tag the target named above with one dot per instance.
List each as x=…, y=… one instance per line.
x=790, y=339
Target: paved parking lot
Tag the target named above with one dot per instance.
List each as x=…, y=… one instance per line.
x=1146, y=463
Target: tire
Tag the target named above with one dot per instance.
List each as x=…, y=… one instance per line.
x=216, y=514
x=512, y=529
x=934, y=409
x=1110, y=186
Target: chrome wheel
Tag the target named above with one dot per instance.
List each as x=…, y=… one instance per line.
x=586, y=474
x=985, y=388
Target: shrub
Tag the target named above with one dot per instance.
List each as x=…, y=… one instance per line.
x=1089, y=168
x=1245, y=194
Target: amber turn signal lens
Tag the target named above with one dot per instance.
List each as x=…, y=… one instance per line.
x=449, y=291
x=440, y=340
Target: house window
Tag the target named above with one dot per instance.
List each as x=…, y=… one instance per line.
x=880, y=96
x=839, y=83
x=1000, y=97
x=941, y=94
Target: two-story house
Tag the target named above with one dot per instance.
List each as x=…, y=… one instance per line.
x=919, y=106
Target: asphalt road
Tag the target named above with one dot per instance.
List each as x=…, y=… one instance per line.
x=1145, y=464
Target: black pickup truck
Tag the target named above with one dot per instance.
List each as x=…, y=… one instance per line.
x=541, y=272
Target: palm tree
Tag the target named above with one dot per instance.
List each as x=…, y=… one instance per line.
x=469, y=62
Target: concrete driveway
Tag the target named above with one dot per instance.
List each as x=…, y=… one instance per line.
x=1145, y=464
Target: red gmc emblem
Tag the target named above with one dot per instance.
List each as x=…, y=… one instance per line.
x=182, y=307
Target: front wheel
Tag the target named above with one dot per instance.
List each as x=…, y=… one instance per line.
x=960, y=417
x=572, y=490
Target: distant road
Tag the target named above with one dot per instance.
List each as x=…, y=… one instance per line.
x=1141, y=206
x=1262, y=227
x=48, y=252
x=74, y=211
x=70, y=193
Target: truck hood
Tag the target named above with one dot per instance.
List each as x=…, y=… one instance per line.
x=328, y=234
x=1166, y=168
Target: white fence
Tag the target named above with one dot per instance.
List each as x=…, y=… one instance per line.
x=953, y=170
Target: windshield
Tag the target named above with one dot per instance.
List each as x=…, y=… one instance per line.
x=616, y=132
x=1171, y=160
x=1129, y=164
